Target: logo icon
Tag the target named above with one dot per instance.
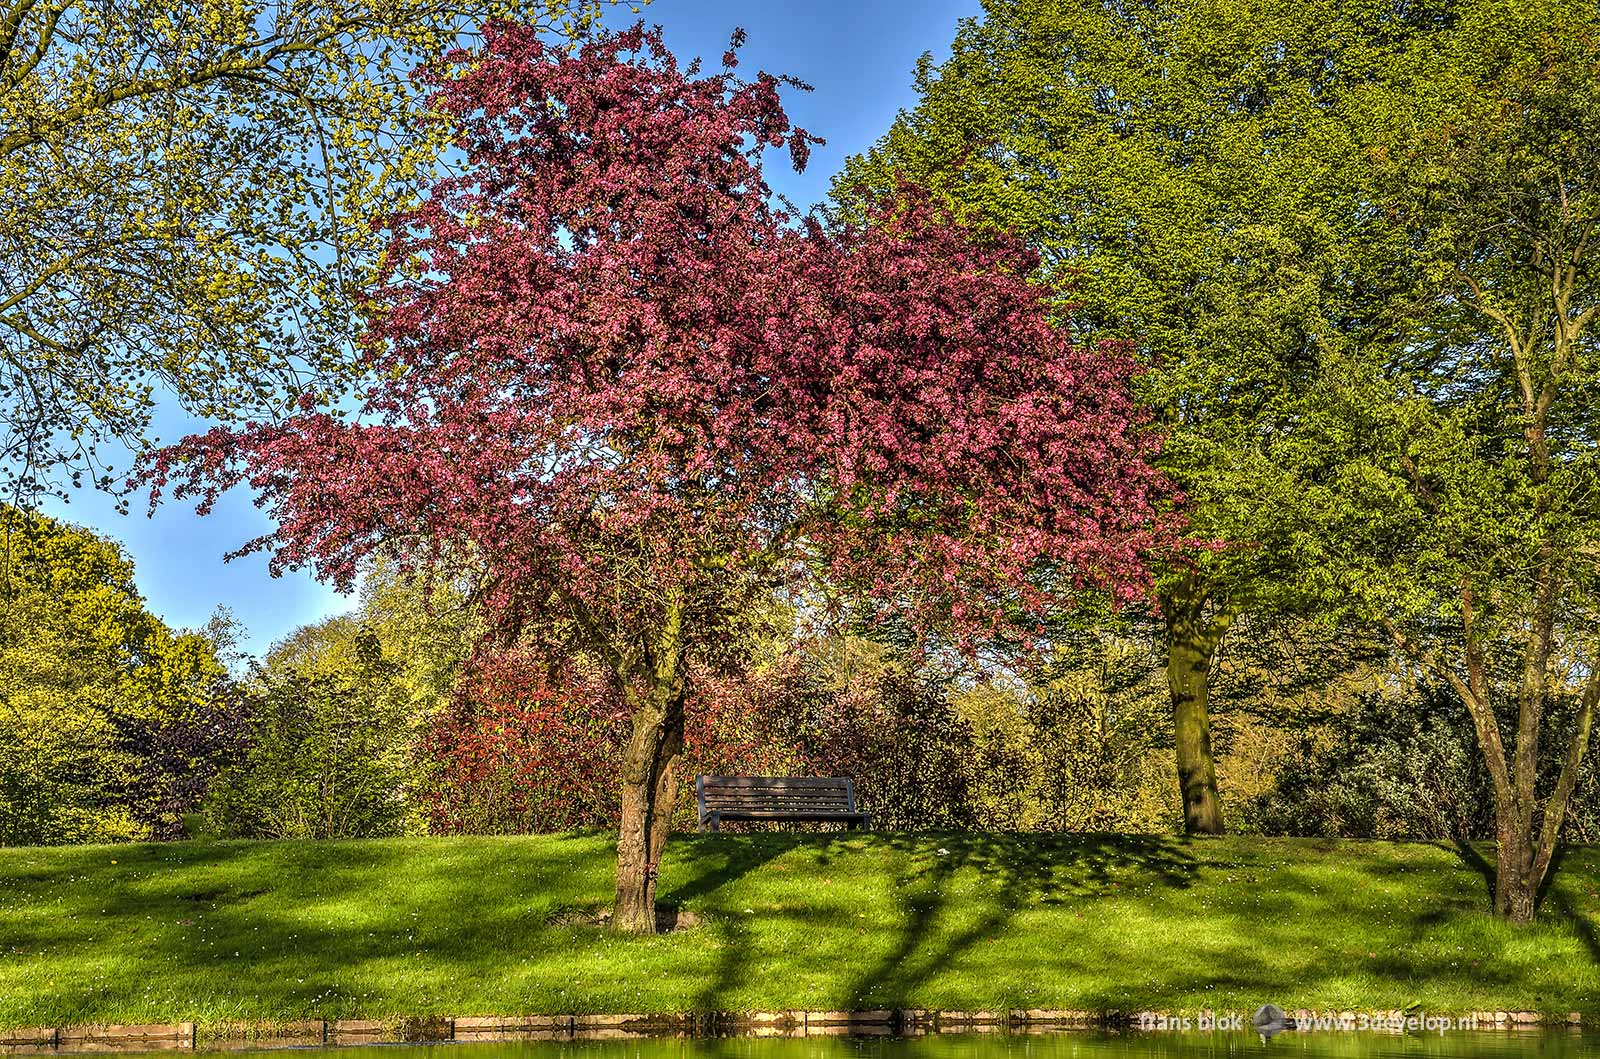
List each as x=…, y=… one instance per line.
x=1271, y=1020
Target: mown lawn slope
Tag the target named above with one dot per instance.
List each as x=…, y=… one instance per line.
x=212, y=931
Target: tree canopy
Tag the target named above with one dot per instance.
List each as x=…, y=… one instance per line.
x=637, y=391
x=1460, y=517
x=185, y=197
x=1188, y=172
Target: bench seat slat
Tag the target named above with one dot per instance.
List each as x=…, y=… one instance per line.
x=759, y=808
x=771, y=808
x=776, y=801
x=765, y=815
x=811, y=799
x=838, y=782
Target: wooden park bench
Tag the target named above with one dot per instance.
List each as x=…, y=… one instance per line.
x=779, y=799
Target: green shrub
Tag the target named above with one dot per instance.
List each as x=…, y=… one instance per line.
x=325, y=755
x=1401, y=766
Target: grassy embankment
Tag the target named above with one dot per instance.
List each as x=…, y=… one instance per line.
x=239, y=930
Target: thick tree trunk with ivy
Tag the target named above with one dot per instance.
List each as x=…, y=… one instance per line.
x=1192, y=638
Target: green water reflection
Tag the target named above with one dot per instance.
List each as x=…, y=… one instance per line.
x=1073, y=1045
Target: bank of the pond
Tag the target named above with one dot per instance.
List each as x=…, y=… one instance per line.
x=731, y=1025
x=229, y=931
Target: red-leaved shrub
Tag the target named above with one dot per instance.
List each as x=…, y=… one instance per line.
x=523, y=751
x=532, y=746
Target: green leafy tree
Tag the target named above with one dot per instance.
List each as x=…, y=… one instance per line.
x=185, y=192
x=428, y=624
x=104, y=710
x=1463, y=522
x=1187, y=165
x=425, y=624
x=61, y=766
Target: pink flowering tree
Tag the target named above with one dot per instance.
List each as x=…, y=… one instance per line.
x=638, y=391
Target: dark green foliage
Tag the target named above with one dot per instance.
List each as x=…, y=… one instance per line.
x=1400, y=766
x=916, y=763
x=1099, y=732
x=1396, y=767
x=933, y=750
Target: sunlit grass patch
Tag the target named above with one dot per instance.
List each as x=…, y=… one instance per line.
x=462, y=926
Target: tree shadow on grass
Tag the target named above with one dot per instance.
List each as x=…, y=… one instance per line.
x=1558, y=898
x=721, y=861
x=1476, y=861
x=1016, y=872
x=735, y=857
x=288, y=929
x=349, y=929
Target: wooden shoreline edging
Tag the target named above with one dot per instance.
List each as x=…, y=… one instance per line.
x=423, y=1029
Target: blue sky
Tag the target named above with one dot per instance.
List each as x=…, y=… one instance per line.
x=858, y=54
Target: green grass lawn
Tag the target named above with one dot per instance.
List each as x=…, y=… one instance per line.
x=463, y=926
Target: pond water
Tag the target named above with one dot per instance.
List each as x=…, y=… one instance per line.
x=1068, y=1045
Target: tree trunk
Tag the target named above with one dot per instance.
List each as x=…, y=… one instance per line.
x=1188, y=675
x=1191, y=646
x=657, y=690
x=667, y=785
x=1516, y=890
x=649, y=795
x=1526, y=838
x=1527, y=848
x=634, y=910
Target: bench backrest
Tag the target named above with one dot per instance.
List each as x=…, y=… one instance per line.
x=732, y=794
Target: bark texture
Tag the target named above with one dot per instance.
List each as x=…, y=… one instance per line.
x=654, y=684
x=1192, y=639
